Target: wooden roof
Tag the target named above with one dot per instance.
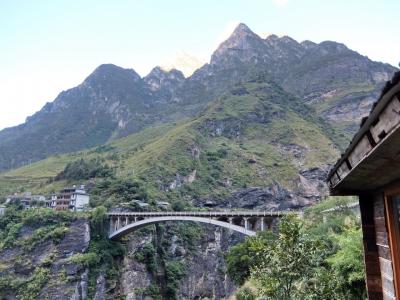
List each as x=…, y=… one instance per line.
x=372, y=159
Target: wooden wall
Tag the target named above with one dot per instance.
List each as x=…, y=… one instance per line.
x=378, y=261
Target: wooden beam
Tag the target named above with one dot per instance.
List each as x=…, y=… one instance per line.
x=394, y=237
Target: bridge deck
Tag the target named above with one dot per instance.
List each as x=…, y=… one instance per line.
x=203, y=213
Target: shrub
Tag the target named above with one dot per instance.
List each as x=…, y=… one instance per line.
x=245, y=294
x=147, y=256
x=174, y=272
x=30, y=290
x=83, y=170
x=152, y=291
x=12, y=234
x=86, y=259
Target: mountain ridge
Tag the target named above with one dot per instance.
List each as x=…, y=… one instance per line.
x=254, y=136
x=113, y=102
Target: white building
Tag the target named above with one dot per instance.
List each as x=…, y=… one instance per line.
x=74, y=199
x=2, y=210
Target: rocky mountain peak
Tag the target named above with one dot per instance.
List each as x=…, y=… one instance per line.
x=334, y=47
x=159, y=78
x=308, y=44
x=176, y=73
x=288, y=40
x=242, y=39
x=157, y=71
x=272, y=37
x=106, y=72
x=161, y=73
x=240, y=34
x=241, y=29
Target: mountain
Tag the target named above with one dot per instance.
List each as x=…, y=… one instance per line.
x=111, y=102
x=255, y=135
x=114, y=102
x=253, y=147
x=337, y=82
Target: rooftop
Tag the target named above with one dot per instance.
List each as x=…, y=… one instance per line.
x=374, y=150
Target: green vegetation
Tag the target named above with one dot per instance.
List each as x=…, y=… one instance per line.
x=257, y=135
x=174, y=272
x=27, y=288
x=307, y=260
x=244, y=255
x=44, y=223
x=23, y=231
x=158, y=258
x=146, y=255
x=101, y=254
x=239, y=140
x=245, y=294
x=118, y=191
x=89, y=259
x=83, y=170
x=152, y=291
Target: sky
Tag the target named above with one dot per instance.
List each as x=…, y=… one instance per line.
x=47, y=46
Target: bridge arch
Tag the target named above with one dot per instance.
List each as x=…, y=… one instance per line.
x=142, y=223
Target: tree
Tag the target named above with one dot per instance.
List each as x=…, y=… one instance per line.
x=98, y=219
x=245, y=294
x=288, y=262
x=244, y=256
x=347, y=264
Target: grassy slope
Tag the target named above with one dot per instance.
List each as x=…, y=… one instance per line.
x=256, y=125
x=342, y=94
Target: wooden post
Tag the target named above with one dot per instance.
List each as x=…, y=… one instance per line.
x=371, y=256
x=392, y=216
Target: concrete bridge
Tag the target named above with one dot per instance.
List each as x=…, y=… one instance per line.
x=245, y=222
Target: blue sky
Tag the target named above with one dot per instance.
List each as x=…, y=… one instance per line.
x=47, y=46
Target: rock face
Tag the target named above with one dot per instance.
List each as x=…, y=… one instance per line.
x=206, y=270
x=114, y=102
x=66, y=280
x=163, y=84
x=201, y=261
x=271, y=198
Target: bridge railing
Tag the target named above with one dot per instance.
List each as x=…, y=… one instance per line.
x=205, y=213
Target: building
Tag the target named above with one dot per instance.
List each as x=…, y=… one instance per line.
x=28, y=200
x=370, y=169
x=75, y=199
x=2, y=210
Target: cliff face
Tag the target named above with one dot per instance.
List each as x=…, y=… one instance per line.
x=174, y=261
x=35, y=258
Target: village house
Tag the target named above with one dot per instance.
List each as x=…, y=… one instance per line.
x=74, y=199
x=28, y=200
x=370, y=169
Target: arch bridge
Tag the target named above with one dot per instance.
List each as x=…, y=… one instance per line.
x=245, y=222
